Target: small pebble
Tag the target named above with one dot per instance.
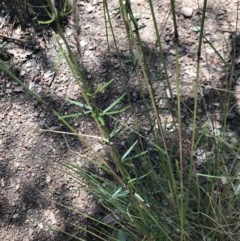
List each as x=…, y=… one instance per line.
x=48, y=179
x=186, y=12
x=15, y=216
x=17, y=187
x=172, y=51
x=30, y=232
x=40, y=225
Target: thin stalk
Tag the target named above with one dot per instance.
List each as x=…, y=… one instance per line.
x=123, y=76
x=76, y=26
x=197, y=78
x=106, y=12
x=181, y=206
x=135, y=36
x=127, y=24
x=196, y=97
x=159, y=44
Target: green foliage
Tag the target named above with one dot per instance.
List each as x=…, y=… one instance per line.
x=44, y=12
x=149, y=192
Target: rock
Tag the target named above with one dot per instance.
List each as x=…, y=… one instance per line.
x=17, y=89
x=17, y=187
x=30, y=232
x=15, y=216
x=2, y=182
x=48, y=179
x=186, y=12
x=40, y=225
x=168, y=93
x=52, y=218
x=83, y=44
x=41, y=123
x=8, y=91
x=172, y=51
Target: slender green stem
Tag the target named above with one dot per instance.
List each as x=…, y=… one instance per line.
x=160, y=48
x=181, y=206
x=196, y=97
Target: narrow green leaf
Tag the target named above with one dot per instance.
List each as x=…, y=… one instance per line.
x=102, y=87
x=115, y=132
x=114, y=103
x=101, y=120
x=118, y=111
x=120, y=193
x=136, y=156
x=128, y=151
x=79, y=104
x=139, y=197
x=75, y=115
x=132, y=180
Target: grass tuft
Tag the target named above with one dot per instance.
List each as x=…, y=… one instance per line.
x=164, y=177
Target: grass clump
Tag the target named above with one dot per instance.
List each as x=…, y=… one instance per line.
x=164, y=177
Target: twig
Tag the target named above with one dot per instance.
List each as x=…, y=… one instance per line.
x=69, y=133
x=11, y=217
x=226, y=30
x=15, y=39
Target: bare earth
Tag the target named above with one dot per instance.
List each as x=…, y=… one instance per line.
x=34, y=185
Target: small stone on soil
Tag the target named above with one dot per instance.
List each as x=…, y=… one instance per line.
x=186, y=12
x=172, y=51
